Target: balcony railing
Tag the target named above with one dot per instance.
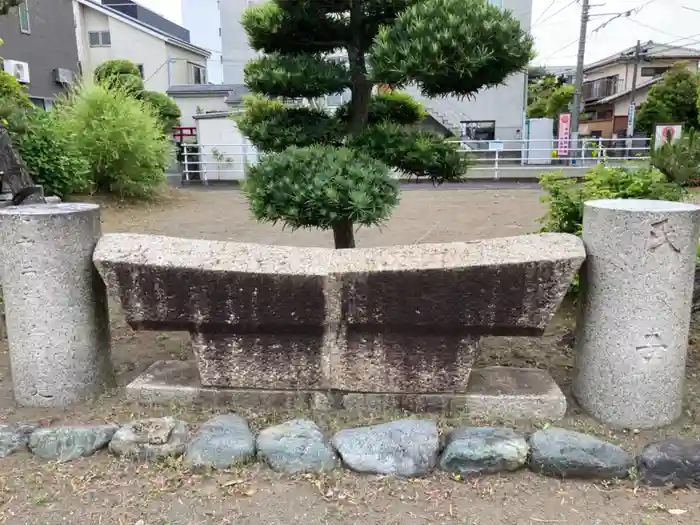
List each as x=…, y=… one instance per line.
x=601, y=88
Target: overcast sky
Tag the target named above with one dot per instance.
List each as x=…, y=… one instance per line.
x=556, y=28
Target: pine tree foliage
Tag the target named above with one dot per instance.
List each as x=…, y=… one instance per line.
x=445, y=47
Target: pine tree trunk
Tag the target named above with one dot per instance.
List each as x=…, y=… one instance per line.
x=361, y=86
x=344, y=235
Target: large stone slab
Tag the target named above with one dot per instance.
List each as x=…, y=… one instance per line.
x=494, y=393
x=399, y=319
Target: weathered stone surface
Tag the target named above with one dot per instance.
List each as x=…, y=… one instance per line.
x=221, y=443
x=673, y=462
x=150, y=439
x=632, y=335
x=405, y=448
x=472, y=451
x=296, y=446
x=14, y=438
x=55, y=303
x=283, y=318
x=560, y=452
x=70, y=443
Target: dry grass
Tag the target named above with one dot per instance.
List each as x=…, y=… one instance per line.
x=105, y=490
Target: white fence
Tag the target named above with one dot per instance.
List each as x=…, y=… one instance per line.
x=488, y=159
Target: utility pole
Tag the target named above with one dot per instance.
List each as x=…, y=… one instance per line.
x=632, y=113
x=578, y=84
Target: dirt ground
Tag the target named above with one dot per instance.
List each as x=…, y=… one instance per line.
x=104, y=490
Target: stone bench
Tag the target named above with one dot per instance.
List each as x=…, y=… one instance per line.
x=397, y=323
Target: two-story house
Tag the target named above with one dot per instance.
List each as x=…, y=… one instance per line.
x=607, y=88
x=494, y=113
x=104, y=33
x=40, y=48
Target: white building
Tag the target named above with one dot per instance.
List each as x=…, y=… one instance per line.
x=202, y=19
x=105, y=34
x=496, y=113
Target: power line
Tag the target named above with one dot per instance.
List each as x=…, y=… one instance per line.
x=545, y=11
x=653, y=28
x=555, y=14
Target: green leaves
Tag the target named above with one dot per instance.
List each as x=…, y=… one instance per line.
x=120, y=74
x=680, y=160
x=271, y=126
x=674, y=99
x=417, y=153
x=396, y=107
x=306, y=76
x=450, y=47
x=293, y=31
x=166, y=109
x=320, y=187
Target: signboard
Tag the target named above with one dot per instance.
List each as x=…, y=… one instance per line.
x=496, y=145
x=564, y=137
x=631, y=115
x=667, y=133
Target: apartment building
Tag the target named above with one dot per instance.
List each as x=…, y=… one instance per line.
x=40, y=47
x=203, y=20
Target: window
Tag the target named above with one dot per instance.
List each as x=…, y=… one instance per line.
x=478, y=129
x=140, y=66
x=654, y=71
x=24, y=26
x=100, y=38
x=198, y=74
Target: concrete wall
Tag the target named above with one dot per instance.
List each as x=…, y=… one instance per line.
x=203, y=20
x=190, y=106
x=49, y=45
x=181, y=71
x=235, y=49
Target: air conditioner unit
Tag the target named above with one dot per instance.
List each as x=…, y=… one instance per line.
x=20, y=70
x=63, y=76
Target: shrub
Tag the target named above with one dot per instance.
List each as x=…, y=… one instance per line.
x=119, y=136
x=565, y=196
x=680, y=160
x=122, y=74
x=51, y=156
x=166, y=109
x=321, y=187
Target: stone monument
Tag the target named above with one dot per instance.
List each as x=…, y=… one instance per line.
x=55, y=303
x=637, y=288
x=397, y=326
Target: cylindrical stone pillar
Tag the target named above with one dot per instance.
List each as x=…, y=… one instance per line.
x=55, y=303
x=634, y=318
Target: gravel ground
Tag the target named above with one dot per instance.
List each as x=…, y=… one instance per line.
x=104, y=490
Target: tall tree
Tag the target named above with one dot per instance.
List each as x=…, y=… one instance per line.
x=548, y=97
x=672, y=100
x=330, y=171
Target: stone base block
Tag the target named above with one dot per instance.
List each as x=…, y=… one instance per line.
x=495, y=392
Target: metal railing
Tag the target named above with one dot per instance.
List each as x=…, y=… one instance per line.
x=488, y=158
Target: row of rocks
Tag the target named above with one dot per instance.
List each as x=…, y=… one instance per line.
x=403, y=448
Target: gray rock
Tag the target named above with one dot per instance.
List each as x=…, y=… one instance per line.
x=673, y=462
x=472, y=451
x=405, y=448
x=150, y=439
x=295, y=447
x=14, y=438
x=220, y=443
x=69, y=443
x=560, y=452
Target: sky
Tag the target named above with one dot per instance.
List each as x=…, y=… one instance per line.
x=556, y=26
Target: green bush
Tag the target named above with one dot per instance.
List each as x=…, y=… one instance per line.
x=166, y=109
x=321, y=187
x=394, y=106
x=680, y=160
x=565, y=196
x=51, y=156
x=122, y=74
x=119, y=136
